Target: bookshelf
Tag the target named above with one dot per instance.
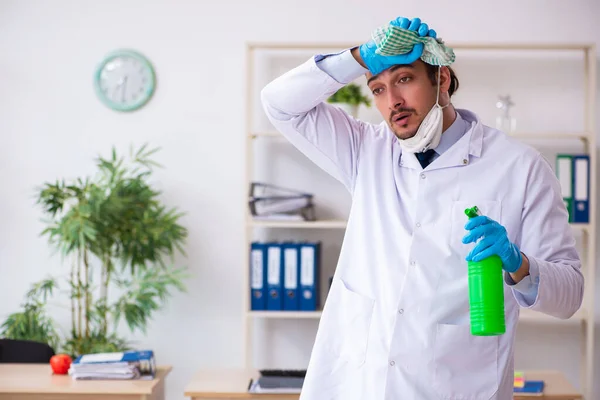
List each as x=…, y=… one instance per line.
x=585, y=137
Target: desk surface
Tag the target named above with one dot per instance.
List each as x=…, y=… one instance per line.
x=233, y=384
x=556, y=386
x=38, y=378
x=227, y=384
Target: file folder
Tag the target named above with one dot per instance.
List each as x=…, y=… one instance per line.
x=564, y=173
x=581, y=184
x=258, y=263
x=265, y=190
x=309, y=275
x=291, y=264
x=267, y=201
x=274, y=274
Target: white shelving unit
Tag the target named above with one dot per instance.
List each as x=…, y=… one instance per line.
x=586, y=233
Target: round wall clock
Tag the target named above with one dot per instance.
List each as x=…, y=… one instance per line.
x=125, y=80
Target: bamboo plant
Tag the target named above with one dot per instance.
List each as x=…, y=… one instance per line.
x=118, y=236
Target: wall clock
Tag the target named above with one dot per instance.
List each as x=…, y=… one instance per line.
x=125, y=80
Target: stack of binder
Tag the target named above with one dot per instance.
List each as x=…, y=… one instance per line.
x=271, y=202
x=284, y=276
x=573, y=172
x=117, y=366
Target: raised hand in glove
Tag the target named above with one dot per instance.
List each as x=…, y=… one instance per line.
x=494, y=241
x=377, y=63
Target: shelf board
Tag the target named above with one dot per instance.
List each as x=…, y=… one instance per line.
x=322, y=224
x=455, y=45
x=266, y=134
x=340, y=224
x=583, y=136
x=526, y=316
x=529, y=316
x=285, y=314
x=580, y=226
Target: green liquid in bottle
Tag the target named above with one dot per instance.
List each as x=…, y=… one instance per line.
x=486, y=293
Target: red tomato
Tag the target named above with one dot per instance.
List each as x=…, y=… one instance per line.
x=60, y=363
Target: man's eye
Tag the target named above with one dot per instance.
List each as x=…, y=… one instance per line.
x=377, y=90
x=405, y=79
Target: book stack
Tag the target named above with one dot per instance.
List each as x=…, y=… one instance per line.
x=117, y=366
x=271, y=202
x=525, y=387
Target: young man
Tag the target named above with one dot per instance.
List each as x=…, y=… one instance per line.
x=396, y=320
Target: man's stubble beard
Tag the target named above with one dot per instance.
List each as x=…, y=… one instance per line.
x=405, y=135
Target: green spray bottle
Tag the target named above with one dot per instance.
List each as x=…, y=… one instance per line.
x=486, y=293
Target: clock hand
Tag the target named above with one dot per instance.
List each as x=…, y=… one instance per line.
x=124, y=86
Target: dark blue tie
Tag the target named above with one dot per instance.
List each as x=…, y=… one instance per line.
x=425, y=158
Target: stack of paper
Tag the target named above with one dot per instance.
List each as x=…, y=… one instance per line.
x=271, y=202
x=125, y=365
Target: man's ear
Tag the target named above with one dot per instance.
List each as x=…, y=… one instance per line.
x=445, y=79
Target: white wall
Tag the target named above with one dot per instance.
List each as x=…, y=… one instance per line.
x=52, y=126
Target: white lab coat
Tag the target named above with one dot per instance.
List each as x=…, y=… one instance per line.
x=395, y=324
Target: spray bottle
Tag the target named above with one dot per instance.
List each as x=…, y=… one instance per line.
x=486, y=293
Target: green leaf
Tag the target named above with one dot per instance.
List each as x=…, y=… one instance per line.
x=350, y=94
x=119, y=221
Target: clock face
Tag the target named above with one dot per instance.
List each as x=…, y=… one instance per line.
x=125, y=80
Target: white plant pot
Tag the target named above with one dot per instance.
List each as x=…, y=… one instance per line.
x=348, y=108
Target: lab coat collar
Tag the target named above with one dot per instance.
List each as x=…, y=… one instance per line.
x=470, y=144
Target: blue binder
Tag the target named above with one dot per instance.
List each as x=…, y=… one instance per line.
x=310, y=253
x=291, y=266
x=531, y=387
x=274, y=273
x=258, y=281
x=581, y=186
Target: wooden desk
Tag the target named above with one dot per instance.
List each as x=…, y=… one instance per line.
x=556, y=386
x=36, y=382
x=227, y=384
x=233, y=384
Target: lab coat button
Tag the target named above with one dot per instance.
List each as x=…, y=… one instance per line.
x=418, y=224
x=422, y=176
x=413, y=262
x=465, y=161
x=401, y=311
x=392, y=363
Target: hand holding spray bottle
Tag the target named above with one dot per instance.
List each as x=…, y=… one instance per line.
x=486, y=293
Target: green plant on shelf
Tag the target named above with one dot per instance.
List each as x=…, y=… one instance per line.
x=350, y=94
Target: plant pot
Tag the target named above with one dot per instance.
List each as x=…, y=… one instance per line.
x=348, y=108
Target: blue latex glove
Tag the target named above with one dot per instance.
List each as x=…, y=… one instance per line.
x=494, y=241
x=377, y=63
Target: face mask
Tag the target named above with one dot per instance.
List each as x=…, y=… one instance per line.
x=430, y=131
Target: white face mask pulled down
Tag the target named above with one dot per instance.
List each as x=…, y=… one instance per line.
x=430, y=131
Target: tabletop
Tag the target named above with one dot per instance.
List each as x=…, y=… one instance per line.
x=233, y=384
x=38, y=378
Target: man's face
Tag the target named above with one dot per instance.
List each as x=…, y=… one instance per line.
x=403, y=94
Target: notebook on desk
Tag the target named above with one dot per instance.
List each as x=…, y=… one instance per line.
x=530, y=388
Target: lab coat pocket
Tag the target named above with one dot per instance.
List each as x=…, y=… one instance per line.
x=490, y=208
x=346, y=323
x=465, y=366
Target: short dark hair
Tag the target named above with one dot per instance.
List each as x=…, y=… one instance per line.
x=432, y=71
